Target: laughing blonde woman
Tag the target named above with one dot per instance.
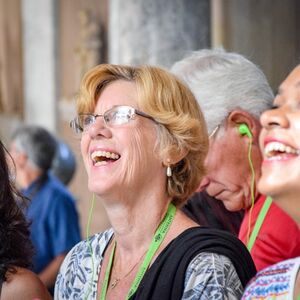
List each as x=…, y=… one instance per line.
x=143, y=142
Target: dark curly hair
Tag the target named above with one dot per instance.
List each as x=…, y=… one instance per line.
x=16, y=249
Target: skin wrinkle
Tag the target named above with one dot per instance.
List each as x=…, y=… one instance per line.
x=136, y=158
x=236, y=188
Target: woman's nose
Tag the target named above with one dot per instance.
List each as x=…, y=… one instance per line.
x=99, y=129
x=274, y=118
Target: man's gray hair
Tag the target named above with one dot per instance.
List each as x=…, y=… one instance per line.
x=222, y=82
x=38, y=144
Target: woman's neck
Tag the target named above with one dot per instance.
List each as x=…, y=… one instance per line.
x=289, y=202
x=135, y=223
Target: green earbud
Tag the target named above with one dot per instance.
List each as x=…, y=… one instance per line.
x=244, y=130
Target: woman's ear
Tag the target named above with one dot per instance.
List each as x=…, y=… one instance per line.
x=244, y=124
x=174, y=156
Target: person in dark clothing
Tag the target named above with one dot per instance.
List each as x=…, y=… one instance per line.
x=208, y=211
x=54, y=228
x=16, y=281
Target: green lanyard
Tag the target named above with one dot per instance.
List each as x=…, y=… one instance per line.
x=259, y=221
x=155, y=243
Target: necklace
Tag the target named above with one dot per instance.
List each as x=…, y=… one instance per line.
x=118, y=279
x=157, y=239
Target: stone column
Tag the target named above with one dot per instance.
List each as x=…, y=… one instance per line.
x=40, y=62
x=157, y=32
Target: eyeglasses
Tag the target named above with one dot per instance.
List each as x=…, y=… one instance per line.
x=118, y=115
x=214, y=131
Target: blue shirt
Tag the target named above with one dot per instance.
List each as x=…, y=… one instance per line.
x=54, y=220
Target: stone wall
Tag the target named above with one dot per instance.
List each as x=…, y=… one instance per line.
x=157, y=32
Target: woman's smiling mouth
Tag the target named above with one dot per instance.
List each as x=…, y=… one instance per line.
x=100, y=158
x=279, y=151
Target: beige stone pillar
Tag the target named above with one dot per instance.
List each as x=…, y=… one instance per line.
x=40, y=26
x=157, y=32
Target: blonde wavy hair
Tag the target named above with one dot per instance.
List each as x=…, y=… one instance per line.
x=180, y=124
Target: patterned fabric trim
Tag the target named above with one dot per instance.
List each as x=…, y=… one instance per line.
x=275, y=282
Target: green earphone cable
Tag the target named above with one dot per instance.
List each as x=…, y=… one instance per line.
x=88, y=227
x=251, y=188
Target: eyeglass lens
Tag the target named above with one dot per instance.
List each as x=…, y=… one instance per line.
x=116, y=116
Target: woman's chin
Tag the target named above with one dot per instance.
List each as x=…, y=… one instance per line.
x=268, y=185
x=95, y=188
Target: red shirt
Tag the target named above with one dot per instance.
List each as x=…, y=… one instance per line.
x=278, y=238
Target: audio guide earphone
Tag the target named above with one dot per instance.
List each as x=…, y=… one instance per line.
x=88, y=238
x=244, y=130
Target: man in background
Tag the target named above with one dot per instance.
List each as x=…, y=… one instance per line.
x=52, y=212
x=232, y=93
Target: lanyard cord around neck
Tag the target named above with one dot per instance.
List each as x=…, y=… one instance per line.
x=155, y=243
x=259, y=222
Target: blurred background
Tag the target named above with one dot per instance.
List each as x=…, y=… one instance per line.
x=47, y=45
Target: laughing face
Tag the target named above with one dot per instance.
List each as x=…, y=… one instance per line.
x=120, y=157
x=280, y=143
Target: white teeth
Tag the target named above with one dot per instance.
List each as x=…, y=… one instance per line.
x=279, y=147
x=100, y=163
x=105, y=154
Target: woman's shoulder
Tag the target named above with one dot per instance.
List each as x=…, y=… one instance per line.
x=211, y=263
x=24, y=284
x=210, y=260
x=94, y=245
x=80, y=267
x=227, y=247
x=212, y=274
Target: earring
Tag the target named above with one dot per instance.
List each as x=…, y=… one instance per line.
x=169, y=171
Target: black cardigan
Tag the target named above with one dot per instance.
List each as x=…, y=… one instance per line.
x=165, y=278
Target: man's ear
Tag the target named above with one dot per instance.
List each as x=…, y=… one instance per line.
x=244, y=124
x=21, y=159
